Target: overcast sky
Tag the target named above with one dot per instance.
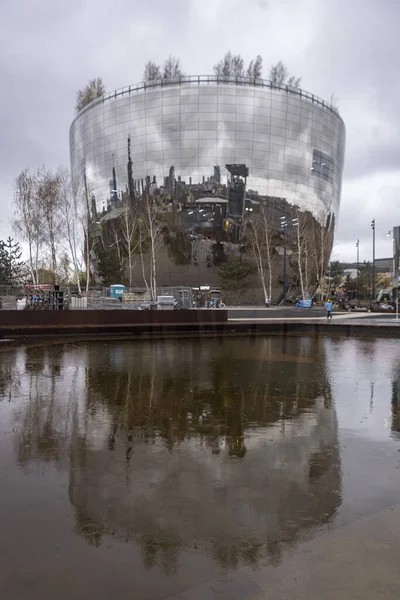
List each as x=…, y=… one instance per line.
x=349, y=48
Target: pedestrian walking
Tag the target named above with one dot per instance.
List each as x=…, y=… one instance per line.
x=267, y=302
x=328, y=308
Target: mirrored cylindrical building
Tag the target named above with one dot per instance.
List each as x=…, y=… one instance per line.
x=291, y=141
x=215, y=140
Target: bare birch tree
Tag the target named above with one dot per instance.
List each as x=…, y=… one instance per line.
x=294, y=82
x=129, y=235
x=153, y=227
x=70, y=223
x=172, y=68
x=26, y=220
x=301, y=247
x=232, y=65
x=254, y=70
x=115, y=235
x=152, y=71
x=321, y=246
x=142, y=238
x=259, y=231
x=48, y=198
x=279, y=75
x=85, y=190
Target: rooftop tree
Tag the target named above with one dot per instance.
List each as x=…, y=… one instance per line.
x=279, y=74
x=94, y=89
x=254, y=69
x=172, y=68
x=152, y=71
x=232, y=65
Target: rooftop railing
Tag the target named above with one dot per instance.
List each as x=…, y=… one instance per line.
x=204, y=80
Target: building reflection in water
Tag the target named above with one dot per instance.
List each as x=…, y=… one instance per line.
x=226, y=448
x=396, y=403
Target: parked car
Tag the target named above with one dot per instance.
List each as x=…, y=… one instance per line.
x=385, y=307
x=304, y=304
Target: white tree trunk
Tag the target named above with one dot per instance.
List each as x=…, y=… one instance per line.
x=260, y=268
x=142, y=263
x=153, y=263
x=269, y=265
x=299, y=251
x=87, y=258
x=31, y=265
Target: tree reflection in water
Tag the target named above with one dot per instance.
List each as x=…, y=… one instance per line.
x=228, y=448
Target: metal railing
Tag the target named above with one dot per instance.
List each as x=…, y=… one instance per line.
x=207, y=80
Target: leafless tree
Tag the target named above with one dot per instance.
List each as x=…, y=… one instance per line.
x=254, y=70
x=142, y=240
x=294, y=82
x=70, y=230
x=259, y=232
x=152, y=71
x=302, y=245
x=48, y=199
x=237, y=66
x=86, y=225
x=223, y=67
x=115, y=235
x=129, y=235
x=333, y=102
x=172, y=68
x=232, y=65
x=94, y=89
x=27, y=222
x=83, y=189
x=279, y=75
x=64, y=269
x=152, y=228
x=321, y=246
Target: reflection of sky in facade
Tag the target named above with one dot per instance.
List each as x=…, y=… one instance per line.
x=196, y=127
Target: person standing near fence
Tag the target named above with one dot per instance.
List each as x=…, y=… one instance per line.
x=328, y=308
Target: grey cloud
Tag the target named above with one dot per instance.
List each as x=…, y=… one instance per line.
x=50, y=49
x=357, y=46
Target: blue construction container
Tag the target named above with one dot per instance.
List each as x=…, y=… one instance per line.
x=116, y=291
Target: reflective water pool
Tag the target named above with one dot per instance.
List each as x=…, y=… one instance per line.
x=189, y=469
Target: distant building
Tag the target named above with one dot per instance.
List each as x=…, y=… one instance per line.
x=351, y=272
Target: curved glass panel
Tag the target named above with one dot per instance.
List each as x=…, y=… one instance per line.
x=188, y=131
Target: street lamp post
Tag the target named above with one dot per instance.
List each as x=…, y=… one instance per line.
x=373, y=259
x=284, y=226
x=358, y=261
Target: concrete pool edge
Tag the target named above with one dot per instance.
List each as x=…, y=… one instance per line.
x=192, y=330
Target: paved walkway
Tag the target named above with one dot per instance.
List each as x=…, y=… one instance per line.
x=359, y=561
x=367, y=318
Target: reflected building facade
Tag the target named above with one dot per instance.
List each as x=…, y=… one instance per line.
x=193, y=459
x=396, y=257
x=216, y=146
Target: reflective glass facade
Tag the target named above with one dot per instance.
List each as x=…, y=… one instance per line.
x=291, y=142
